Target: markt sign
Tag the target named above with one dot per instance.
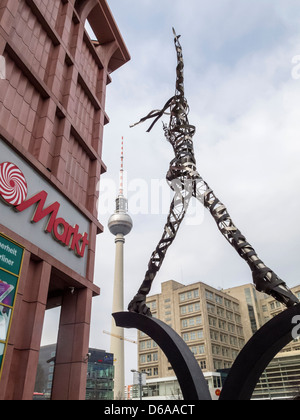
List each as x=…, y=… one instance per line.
x=35, y=209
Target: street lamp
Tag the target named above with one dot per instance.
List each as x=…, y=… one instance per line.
x=140, y=380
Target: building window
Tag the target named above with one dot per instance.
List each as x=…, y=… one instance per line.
x=233, y=340
x=184, y=323
x=237, y=318
x=229, y=315
x=201, y=349
x=222, y=324
x=190, y=308
x=236, y=307
x=193, y=335
x=209, y=295
x=227, y=303
x=223, y=338
x=217, y=381
x=193, y=294
x=197, y=307
x=214, y=335
x=219, y=299
x=216, y=349
x=196, y=293
x=220, y=311
x=191, y=322
x=198, y=349
x=225, y=352
x=202, y=364
x=210, y=308
x=217, y=364
x=152, y=305
x=212, y=321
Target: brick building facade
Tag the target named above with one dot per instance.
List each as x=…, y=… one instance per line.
x=52, y=116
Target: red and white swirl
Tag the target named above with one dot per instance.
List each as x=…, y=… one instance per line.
x=13, y=185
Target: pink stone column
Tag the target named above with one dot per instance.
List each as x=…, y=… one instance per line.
x=26, y=330
x=69, y=381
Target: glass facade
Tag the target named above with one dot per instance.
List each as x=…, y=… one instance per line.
x=100, y=374
x=100, y=381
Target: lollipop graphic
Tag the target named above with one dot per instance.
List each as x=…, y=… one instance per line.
x=13, y=185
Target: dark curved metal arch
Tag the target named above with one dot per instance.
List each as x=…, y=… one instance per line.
x=189, y=374
x=257, y=354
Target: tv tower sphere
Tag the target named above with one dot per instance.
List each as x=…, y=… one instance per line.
x=120, y=223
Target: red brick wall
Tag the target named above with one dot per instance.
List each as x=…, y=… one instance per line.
x=52, y=113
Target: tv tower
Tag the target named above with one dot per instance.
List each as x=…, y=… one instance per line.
x=119, y=224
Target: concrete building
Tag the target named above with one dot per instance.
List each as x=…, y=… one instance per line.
x=281, y=379
x=207, y=319
x=258, y=308
x=52, y=117
x=250, y=306
x=216, y=324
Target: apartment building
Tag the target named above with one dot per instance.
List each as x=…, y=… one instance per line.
x=207, y=319
x=216, y=324
x=258, y=308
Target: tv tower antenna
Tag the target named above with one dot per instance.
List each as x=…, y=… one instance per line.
x=121, y=187
x=120, y=225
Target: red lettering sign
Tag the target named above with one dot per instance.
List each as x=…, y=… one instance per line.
x=13, y=190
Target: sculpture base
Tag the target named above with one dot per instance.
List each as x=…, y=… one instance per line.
x=189, y=374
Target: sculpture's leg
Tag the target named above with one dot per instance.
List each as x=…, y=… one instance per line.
x=175, y=217
x=264, y=278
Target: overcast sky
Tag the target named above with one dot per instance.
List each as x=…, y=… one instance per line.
x=242, y=82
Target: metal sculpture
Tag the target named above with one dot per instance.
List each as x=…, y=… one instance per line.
x=186, y=182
